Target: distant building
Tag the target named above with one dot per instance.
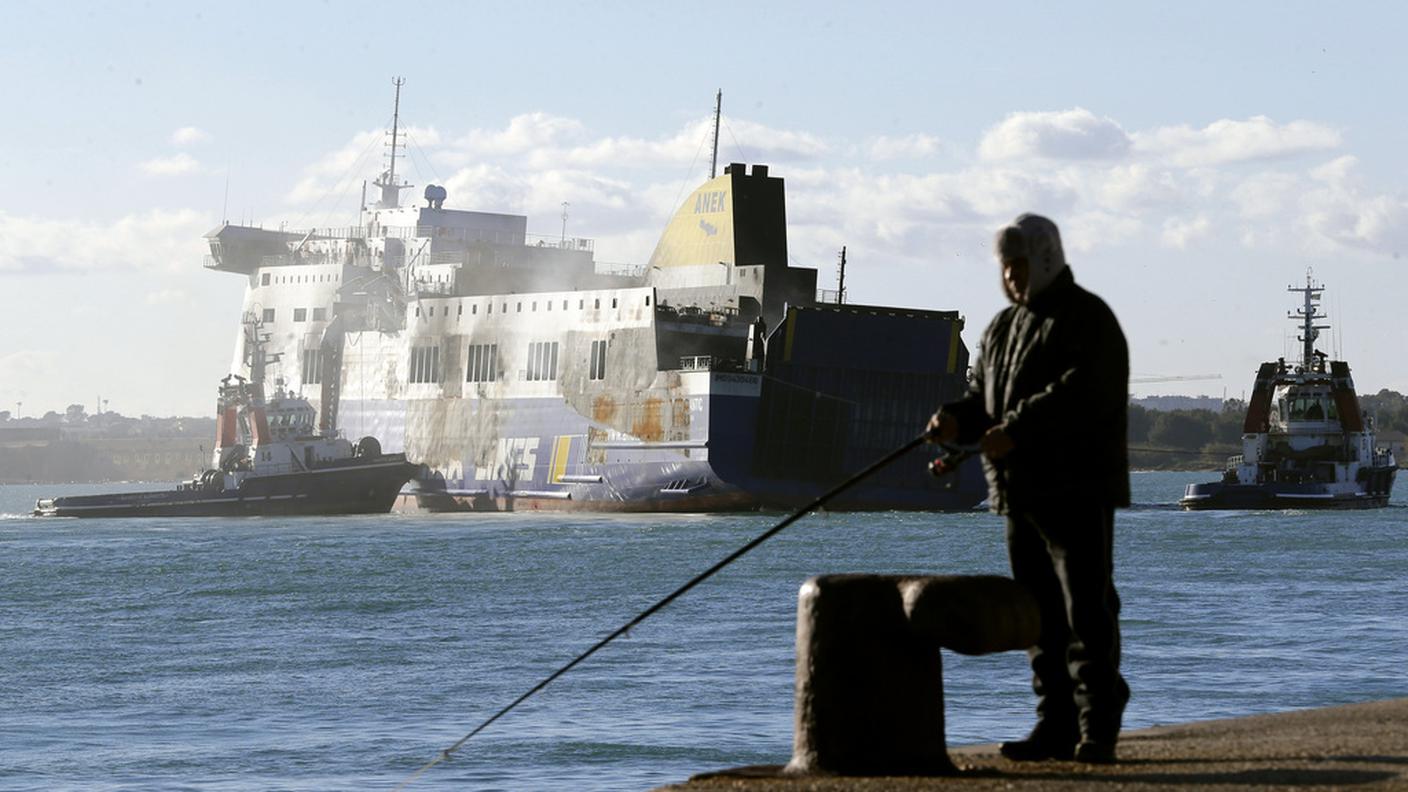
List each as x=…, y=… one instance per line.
x=1169, y=403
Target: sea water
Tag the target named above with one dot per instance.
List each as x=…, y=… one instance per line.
x=343, y=653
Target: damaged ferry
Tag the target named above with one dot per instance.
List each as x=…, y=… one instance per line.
x=522, y=374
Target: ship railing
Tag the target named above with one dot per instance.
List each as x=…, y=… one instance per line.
x=447, y=257
x=710, y=363
x=466, y=235
x=696, y=363
x=433, y=287
x=559, y=242
x=1234, y=461
x=620, y=270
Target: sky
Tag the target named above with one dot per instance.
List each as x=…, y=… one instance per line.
x=1199, y=158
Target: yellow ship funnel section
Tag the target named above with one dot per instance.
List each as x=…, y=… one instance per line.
x=701, y=232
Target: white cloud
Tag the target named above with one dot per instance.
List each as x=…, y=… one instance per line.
x=167, y=297
x=916, y=146
x=523, y=133
x=26, y=366
x=1374, y=223
x=1090, y=230
x=1166, y=186
x=189, y=135
x=1228, y=141
x=170, y=166
x=155, y=240
x=1266, y=195
x=1075, y=134
x=338, y=174
x=1340, y=170
x=1179, y=231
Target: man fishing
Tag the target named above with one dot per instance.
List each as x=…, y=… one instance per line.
x=1047, y=406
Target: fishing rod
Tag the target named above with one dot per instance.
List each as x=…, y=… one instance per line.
x=946, y=464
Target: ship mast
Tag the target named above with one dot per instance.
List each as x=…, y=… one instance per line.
x=718, y=111
x=1307, y=317
x=841, y=278
x=390, y=190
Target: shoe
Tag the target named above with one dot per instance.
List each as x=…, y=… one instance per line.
x=1037, y=748
x=1093, y=752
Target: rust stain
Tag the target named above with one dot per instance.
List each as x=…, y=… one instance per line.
x=646, y=424
x=679, y=421
x=595, y=454
x=603, y=409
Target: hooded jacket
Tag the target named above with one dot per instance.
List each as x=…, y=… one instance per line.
x=1055, y=372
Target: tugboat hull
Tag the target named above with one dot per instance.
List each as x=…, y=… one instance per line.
x=360, y=486
x=1372, y=493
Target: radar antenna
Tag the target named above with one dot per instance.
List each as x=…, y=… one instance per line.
x=1307, y=316
x=390, y=190
x=718, y=112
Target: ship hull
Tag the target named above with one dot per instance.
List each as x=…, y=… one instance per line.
x=709, y=493
x=369, y=487
x=544, y=455
x=1371, y=493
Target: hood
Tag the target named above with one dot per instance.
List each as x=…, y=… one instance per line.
x=1036, y=239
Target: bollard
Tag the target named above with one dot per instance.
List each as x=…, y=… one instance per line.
x=869, y=684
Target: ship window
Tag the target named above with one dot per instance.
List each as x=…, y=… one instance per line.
x=613, y=302
x=417, y=310
x=264, y=279
x=519, y=308
x=474, y=309
x=548, y=303
x=596, y=303
x=504, y=308
x=564, y=305
x=432, y=310
x=581, y=304
x=491, y=308
x=483, y=363
x=300, y=314
x=597, y=368
x=542, y=361
x=268, y=316
x=534, y=306
x=320, y=314
x=312, y=367
x=460, y=310
x=425, y=364
x=647, y=299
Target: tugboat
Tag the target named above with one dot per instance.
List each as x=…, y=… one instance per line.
x=1305, y=444
x=268, y=460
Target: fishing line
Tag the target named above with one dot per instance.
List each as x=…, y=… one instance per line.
x=956, y=455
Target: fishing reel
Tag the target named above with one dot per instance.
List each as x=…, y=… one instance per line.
x=946, y=464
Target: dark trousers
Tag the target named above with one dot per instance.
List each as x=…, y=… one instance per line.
x=1064, y=555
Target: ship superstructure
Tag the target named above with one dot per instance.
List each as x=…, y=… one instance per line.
x=1306, y=443
x=523, y=374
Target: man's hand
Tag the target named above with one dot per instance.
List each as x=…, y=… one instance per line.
x=941, y=429
x=996, y=443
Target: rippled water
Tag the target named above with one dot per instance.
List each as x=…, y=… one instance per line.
x=321, y=653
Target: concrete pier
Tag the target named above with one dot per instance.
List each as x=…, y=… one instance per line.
x=1356, y=746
